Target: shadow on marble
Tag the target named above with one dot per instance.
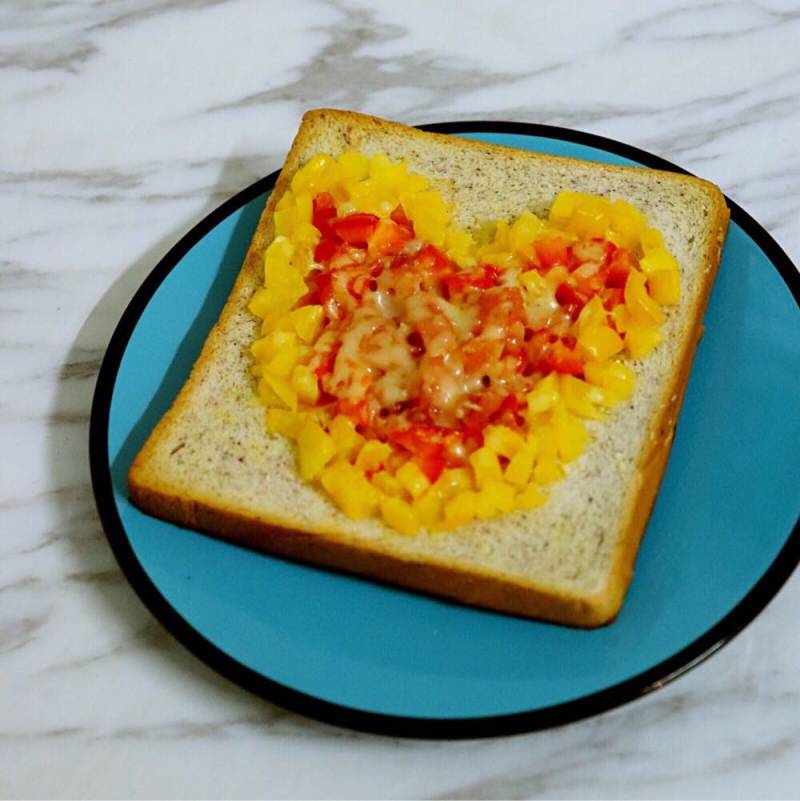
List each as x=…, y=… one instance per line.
x=91, y=560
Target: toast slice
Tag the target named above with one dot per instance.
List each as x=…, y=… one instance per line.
x=211, y=464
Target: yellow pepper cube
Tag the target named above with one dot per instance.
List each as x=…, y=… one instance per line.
x=519, y=469
x=502, y=440
x=640, y=340
x=388, y=484
x=354, y=166
x=460, y=509
x=268, y=346
x=486, y=466
x=373, y=455
x=413, y=479
x=282, y=363
x=665, y=287
x=285, y=221
x=544, y=395
x=500, y=495
x=347, y=439
x=285, y=422
x=533, y=282
x=628, y=222
x=529, y=498
x=428, y=212
x=305, y=384
x=399, y=515
x=350, y=490
x=656, y=261
x=652, y=239
x=523, y=232
x=429, y=507
x=454, y=480
x=644, y=310
x=546, y=438
x=305, y=236
x=601, y=342
x=614, y=376
x=575, y=394
x=571, y=436
x=563, y=207
x=304, y=207
x=548, y=471
x=282, y=390
x=316, y=448
x=307, y=322
x=593, y=315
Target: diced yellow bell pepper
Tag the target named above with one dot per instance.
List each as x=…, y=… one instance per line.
x=571, y=436
x=601, y=342
x=282, y=390
x=266, y=348
x=547, y=471
x=372, y=455
x=665, y=287
x=388, y=484
x=563, y=207
x=656, y=261
x=413, y=479
x=544, y=395
x=307, y=322
x=283, y=362
x=643, y=308
x=533, y=282
x=453, y=480
x=614, y=376
x=428, y=212
x=285, y=221
x=502, y=440
x=428, y=507
x=460, y=509
x=627, y=222
x=518, y=470
x=529, y=498
x=316, y=448
x=640, y=340
x=576, y=398
x=347, y=439
x=305, y=384
x=652, y=240
x=523, y=232
x=350, y=490
x=593, y=315
x=486, y=466
x=497, y=496
x=284, y=422
x=400, y=516
x=354, y=166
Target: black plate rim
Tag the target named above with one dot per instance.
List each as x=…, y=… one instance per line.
x=585, y=706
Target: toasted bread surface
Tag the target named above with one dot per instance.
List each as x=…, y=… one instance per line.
x=211, y=464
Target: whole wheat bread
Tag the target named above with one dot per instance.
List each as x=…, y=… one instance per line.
x=211, y=464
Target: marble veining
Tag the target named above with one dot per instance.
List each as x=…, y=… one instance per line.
x=125, y=122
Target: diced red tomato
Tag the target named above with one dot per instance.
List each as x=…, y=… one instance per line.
x=428, y=446
x=612, y=298
x=485, y=277
x=478, y=354
x=501, y=308
x=561, y=359
x=506, y=413
x=320, y=284
x=388, y=237
x=323, y=212
x=620, y=265
x=550, y=252
x=355, y=229
x=399, y=216
x=325, y=250
x=571, y=299
x=432, y=259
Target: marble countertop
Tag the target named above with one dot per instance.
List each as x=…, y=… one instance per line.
x=123, y=123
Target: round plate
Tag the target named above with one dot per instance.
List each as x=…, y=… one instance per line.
x=722, y=539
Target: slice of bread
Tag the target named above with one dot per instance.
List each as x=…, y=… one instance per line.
x=211, y=464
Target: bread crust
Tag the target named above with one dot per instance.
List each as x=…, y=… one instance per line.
x=156, y=494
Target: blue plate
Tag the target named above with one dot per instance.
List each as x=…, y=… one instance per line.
x=722, y=539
